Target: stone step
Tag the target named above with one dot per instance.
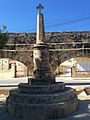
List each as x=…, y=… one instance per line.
x=42, y=111
x=42, y=98
x=34, y=89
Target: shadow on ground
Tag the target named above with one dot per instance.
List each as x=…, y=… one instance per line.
x=83, y=113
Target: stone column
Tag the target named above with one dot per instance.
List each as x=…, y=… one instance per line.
x=40, y=29
x=41, y=72
x=13, y=68
x=40, y=52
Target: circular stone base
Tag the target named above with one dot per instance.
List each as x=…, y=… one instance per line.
x=42, y=98
x=40, y=105
x=42, y=111
x=38, y=89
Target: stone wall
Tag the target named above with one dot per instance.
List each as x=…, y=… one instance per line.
x=56, y=40
x=63, y=46
x=51, y=37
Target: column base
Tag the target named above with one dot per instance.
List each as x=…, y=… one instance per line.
x=33, y=81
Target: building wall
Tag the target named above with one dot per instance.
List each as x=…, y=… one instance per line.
x=83, y=64
x=82, y=68
x=76, y=67
x=12, y=68
x=21, y=69
x=4, y=64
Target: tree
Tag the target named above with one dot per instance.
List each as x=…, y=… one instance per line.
x=3, y=36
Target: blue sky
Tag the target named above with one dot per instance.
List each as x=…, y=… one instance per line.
x=59, y=15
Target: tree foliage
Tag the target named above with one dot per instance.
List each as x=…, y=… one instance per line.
x=3, y=36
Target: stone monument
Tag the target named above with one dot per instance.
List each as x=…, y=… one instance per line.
x=41, y=98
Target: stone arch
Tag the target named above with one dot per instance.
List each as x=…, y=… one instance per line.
x=58, y=57
x=24, y=57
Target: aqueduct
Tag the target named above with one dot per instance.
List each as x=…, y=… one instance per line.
x=62, y=46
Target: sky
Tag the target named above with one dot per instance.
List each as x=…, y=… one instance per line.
x=59, y=15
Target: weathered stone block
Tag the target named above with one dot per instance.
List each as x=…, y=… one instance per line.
x=34, y=89
x=43, y=111
x=66, y=95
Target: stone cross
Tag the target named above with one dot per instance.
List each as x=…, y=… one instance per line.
x=40, y=7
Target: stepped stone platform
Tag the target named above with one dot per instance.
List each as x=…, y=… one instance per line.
x=42, y=102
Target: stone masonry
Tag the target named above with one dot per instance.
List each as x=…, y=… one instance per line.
x=62, y=46
x=41, y=98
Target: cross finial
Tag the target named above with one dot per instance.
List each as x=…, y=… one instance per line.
x=40, y=7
